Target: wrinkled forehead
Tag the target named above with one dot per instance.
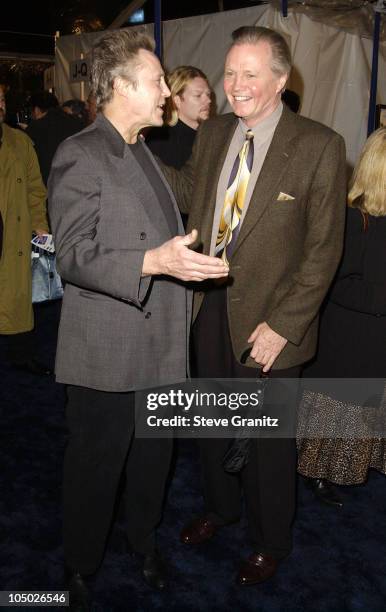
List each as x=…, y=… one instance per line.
x=249, y=53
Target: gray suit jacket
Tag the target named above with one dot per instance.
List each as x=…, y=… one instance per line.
x=118, y=331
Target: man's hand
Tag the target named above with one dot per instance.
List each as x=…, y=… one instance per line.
x=40, y=232
x=267, y=345
x=174, y=258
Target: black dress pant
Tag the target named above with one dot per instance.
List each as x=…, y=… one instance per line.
x=268, y=481
x=101, y=446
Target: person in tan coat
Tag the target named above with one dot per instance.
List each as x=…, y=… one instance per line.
x=23, y=211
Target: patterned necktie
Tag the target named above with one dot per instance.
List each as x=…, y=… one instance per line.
x=234, y=200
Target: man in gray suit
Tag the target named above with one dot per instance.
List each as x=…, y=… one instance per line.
x=126, y=314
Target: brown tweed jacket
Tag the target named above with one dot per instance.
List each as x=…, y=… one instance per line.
x=288, y=249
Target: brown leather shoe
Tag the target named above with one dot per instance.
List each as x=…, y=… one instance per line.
x=197, y=531
x=257, y=568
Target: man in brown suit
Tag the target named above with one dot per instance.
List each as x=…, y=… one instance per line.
x=285, y=250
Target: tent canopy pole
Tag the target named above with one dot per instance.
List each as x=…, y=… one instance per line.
x=379, y=9
x=158, y=28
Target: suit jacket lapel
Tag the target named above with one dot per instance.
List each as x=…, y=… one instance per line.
x=121, y=154
x=274, y=166
x=145, y=193
x=221, y=140
x=180, y=225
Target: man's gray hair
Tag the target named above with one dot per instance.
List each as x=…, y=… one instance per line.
x=116, y=55
x=281, y=55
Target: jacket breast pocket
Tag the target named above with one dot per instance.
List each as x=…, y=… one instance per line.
x=284, y=207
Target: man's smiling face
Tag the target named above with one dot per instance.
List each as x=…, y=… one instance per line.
x=252, y=88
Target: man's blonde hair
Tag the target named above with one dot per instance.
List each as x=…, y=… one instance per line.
x=177, y=81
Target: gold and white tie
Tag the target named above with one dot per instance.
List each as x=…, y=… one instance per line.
x=234, y=200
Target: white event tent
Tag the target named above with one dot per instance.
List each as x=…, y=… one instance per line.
x=332, y=65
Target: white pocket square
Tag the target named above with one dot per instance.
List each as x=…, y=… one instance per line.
x=284, y=197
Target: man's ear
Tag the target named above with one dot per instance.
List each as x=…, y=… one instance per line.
x=281, y=83
x=177, y=101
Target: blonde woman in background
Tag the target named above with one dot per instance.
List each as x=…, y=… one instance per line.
x=352, y=339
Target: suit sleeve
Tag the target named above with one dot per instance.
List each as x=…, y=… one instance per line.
x=75, y=207
x=181, y=181
x=322, y=247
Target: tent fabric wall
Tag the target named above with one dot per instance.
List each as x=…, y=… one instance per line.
x=68, y=49
x=332, y=74
x=332, y=68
